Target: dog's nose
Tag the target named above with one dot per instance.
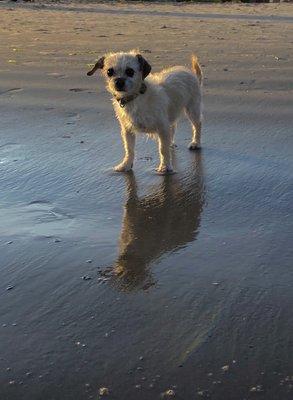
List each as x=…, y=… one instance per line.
x=119, y=84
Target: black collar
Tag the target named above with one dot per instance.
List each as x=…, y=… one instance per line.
x=127, y=99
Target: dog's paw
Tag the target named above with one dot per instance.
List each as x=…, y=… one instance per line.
x=123, y=167
x=194, y=146
x=165, y=170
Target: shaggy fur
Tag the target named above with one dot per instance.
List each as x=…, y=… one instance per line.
x=152, y=103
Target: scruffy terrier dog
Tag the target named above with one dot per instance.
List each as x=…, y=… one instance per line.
x=152, y=103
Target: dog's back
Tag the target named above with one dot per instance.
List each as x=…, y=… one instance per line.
x=180, y=83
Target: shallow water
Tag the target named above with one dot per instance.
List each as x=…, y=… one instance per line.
x=192, y=272
x=137, y=282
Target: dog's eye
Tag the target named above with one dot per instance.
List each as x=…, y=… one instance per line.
x=110, y=72
x=129, y=72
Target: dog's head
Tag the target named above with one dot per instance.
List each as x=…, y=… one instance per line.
x=124, y=72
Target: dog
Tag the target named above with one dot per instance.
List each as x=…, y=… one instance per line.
x=152, y=103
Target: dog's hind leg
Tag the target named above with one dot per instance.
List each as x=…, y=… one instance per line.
x=164, y=139
x=172, y=135
x=194, y=115
x=196, y=136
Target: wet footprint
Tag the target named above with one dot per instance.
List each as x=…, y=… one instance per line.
x=44, y=212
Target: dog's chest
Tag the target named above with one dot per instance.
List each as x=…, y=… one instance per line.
x=139, y=122
x=136, y=119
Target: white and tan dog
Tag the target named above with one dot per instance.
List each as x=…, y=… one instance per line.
x=152, y=103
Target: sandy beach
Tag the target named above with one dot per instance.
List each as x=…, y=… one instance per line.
x=149, y=286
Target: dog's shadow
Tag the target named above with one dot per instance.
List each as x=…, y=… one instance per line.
x=164, y=220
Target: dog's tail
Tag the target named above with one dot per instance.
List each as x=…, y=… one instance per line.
x=196, y=68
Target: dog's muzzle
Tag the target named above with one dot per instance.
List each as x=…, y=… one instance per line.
x=119, y=84
x=124, y=100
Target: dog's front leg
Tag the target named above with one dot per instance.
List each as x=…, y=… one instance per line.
x=165, y=166
x=129, y=142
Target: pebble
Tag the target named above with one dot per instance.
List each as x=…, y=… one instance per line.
x=225, y=368
x=204, y=393
x=86, y=277
x=10, y=287
x=257, y=388
x=89, y=261
x=169, y=393
x=103, y=391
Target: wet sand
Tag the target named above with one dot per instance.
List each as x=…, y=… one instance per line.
x=136, y=282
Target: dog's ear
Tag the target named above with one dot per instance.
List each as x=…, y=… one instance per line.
x=98, y=65
x=144, y=66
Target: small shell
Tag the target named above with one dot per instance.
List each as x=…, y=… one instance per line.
x=103, y=391
x=169, y=393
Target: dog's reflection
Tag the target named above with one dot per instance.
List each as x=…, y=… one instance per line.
x=162, y=221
